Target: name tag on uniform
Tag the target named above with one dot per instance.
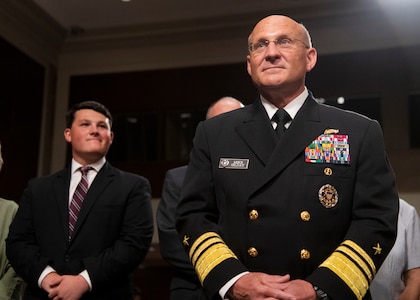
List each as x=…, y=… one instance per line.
x=234, y=163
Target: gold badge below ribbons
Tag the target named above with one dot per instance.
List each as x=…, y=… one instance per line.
x=328, y=195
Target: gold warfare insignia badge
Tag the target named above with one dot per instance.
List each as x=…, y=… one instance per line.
x=328, y=195
x=331, y=131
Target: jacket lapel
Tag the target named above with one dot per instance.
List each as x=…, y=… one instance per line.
x=102, y=180
x=305, y=127
x=61, y=192
x=257, y=132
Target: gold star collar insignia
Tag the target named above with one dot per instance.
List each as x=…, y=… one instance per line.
x=185, y=241
x=377, y=249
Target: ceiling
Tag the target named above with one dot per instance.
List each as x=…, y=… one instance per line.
x=91, y=27
x=100, y=14
x=100, y=17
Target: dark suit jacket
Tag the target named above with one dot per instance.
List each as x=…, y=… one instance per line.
x=185, y=284
x=266, y=205
x=111, y=238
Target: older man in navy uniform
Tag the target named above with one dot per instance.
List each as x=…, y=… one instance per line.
x=309, y=212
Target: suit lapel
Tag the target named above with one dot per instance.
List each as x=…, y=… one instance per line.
x=104, y=177
x=258, y=133
x=305, y=127
x=61, y=187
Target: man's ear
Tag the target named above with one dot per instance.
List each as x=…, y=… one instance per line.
x=112, y=136
x=311, y=59
x=67, y=135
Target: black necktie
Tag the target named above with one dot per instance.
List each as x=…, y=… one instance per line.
x=281, y=117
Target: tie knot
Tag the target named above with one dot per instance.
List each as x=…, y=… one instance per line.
x=281, y=117
x=85, y=170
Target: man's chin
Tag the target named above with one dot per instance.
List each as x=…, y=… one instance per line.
x=99, y=153
x=272, y=85
x=272, y=81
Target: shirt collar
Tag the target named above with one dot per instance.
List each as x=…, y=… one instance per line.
x=292, y=107
x=95, y=166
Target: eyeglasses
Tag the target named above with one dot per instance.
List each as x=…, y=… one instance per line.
x=282, y=44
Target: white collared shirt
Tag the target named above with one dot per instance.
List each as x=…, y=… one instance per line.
x=292, y=107
x=76, y=175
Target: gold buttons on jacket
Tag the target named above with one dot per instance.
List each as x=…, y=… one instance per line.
x=253, y=215
x=252, y=252
x=305, y=254
x=328, y=171
x=305, y=215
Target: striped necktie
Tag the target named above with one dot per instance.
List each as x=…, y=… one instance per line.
x=77, y=200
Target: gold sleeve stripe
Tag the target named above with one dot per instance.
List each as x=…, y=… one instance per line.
x=207, y=252
x=365, y=267
x=353, y=265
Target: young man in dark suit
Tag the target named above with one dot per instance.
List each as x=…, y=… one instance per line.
x=298, y=206
x=90, y=254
